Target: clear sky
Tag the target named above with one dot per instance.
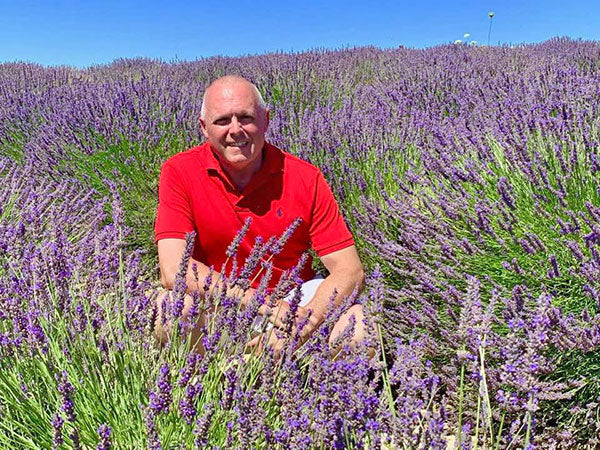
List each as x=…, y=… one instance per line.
x=82, y=33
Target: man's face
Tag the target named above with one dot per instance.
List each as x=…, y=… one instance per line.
x=235, y=125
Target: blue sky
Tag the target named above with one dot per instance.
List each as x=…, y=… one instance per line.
x=80, y=33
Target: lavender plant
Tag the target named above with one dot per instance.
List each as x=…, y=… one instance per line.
x=468, y=176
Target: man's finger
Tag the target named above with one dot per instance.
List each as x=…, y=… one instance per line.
x=275, y=314
x=255, y=345
x=254, y=341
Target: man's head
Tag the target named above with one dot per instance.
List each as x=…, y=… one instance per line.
x=234, y=120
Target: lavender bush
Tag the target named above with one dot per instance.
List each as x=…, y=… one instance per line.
x=469, y=176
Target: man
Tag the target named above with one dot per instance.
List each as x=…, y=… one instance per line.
x=237, y=175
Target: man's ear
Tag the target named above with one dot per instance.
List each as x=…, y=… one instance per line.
x=267, y=118
x=203, y=128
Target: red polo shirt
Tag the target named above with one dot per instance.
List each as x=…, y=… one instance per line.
x=196, y=194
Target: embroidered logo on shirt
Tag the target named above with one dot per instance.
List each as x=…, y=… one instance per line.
x=279, y=212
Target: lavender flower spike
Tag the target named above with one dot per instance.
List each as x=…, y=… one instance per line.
x=203, y=425
x=278, y=245
x=57, y=424
x=161, y=397
x=66, y=389
x=232, y=249
x=104, y=434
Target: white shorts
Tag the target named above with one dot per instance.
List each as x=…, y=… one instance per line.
x=309, y=288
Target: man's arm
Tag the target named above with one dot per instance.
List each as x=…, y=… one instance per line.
x=345, y=274
x=170, y=252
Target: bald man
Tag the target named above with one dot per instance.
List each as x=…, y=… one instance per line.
x=236, y=175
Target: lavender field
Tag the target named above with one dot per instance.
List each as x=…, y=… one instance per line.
x=470, y=177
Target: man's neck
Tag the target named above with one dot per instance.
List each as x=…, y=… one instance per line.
x=241, y=178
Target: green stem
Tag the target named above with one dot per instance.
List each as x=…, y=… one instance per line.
x=529, y=420
x=386, y=378
x=485, y=388
x=477, y=421
x=500, y=431
x=460, y=406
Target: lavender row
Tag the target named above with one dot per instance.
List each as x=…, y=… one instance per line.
x=469, y=176
x=80, y=367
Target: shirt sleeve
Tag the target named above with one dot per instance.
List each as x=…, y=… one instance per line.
x=328, y=231
x=174, y=218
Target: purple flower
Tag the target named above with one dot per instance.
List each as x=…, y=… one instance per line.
x=185, y=373
x=187, y=405
x=233, y=247
x=75, y=439
x=277, y=246
x=506, y=192
x=57, y=425
x=180, y=284
x=66, y=390
x=161, y=397
x=229, y=387
x=575, y=250
x=153, y=441
x=553, y=272
x=203, y=425
x=251, y=263
x=104, y=432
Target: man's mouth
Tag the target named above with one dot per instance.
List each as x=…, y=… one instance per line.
x=238, y=144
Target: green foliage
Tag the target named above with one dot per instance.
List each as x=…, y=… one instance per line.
x=134, y=168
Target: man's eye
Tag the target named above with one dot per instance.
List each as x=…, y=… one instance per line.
x=246, y=119
x=221, y=121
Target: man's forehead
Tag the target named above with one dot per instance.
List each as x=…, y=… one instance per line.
x=236, y=93
x=228, y=96
x=232, y=89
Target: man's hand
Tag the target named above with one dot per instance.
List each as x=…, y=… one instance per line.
x=265, y=340
x=245, y=296
x=277, y=316
x=275, y=338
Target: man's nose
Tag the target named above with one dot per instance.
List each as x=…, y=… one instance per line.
x=235, y=126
